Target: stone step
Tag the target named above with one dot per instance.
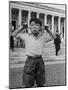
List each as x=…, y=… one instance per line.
x=21, y=60
x=14, y=55
x=46, y=62
x=19, y=53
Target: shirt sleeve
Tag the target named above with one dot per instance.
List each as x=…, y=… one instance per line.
x=21, y=36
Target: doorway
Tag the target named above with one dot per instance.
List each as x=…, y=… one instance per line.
x=14, y=24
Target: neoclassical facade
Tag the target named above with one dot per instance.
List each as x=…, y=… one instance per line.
x=22, y=12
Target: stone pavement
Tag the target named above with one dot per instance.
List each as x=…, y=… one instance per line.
x=54, y=73
x=54, y=66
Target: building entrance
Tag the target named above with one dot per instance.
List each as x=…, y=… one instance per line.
x=14, y=24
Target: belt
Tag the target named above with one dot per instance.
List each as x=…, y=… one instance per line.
x=35, y=57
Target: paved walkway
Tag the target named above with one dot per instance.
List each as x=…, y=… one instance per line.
x=54, y=66
x=54, y=73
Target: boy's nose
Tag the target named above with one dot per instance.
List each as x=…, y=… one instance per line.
x=34, y=26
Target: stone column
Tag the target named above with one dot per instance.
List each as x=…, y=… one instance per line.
x=52, y=24
x=59, y=24
x=29, y=17
x=37, y=15
x=10, y=18
x=10, y=15
x=20, y=17
x=64, y=29
x=45, y=19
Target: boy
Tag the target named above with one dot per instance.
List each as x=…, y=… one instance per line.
x=34, y=69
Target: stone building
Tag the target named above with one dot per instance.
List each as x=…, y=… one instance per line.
x=21, y=12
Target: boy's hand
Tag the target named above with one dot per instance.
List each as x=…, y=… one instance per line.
x=16, y=32
x=46, y=28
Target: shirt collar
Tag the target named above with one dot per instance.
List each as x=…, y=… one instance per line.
x=39, y=35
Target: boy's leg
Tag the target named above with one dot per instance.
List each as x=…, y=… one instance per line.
x=40, y=77
x=28, y=73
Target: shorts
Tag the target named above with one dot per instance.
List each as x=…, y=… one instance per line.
x=34, y=71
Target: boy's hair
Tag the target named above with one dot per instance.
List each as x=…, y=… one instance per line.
x=36, y=20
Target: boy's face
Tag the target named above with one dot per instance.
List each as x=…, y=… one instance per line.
x=35, y=28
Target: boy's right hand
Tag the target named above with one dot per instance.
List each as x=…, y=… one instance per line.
x=17, y=31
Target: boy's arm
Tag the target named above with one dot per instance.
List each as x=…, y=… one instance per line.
x=49, y=32
x=17, y=33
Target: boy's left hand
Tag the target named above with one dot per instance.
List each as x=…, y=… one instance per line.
x=46, y=28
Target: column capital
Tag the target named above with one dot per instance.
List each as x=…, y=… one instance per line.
x=45, y=14
x=29, y=11
x=10, y=7
x=20, y=9
x=59, y=17
x=53, y=16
